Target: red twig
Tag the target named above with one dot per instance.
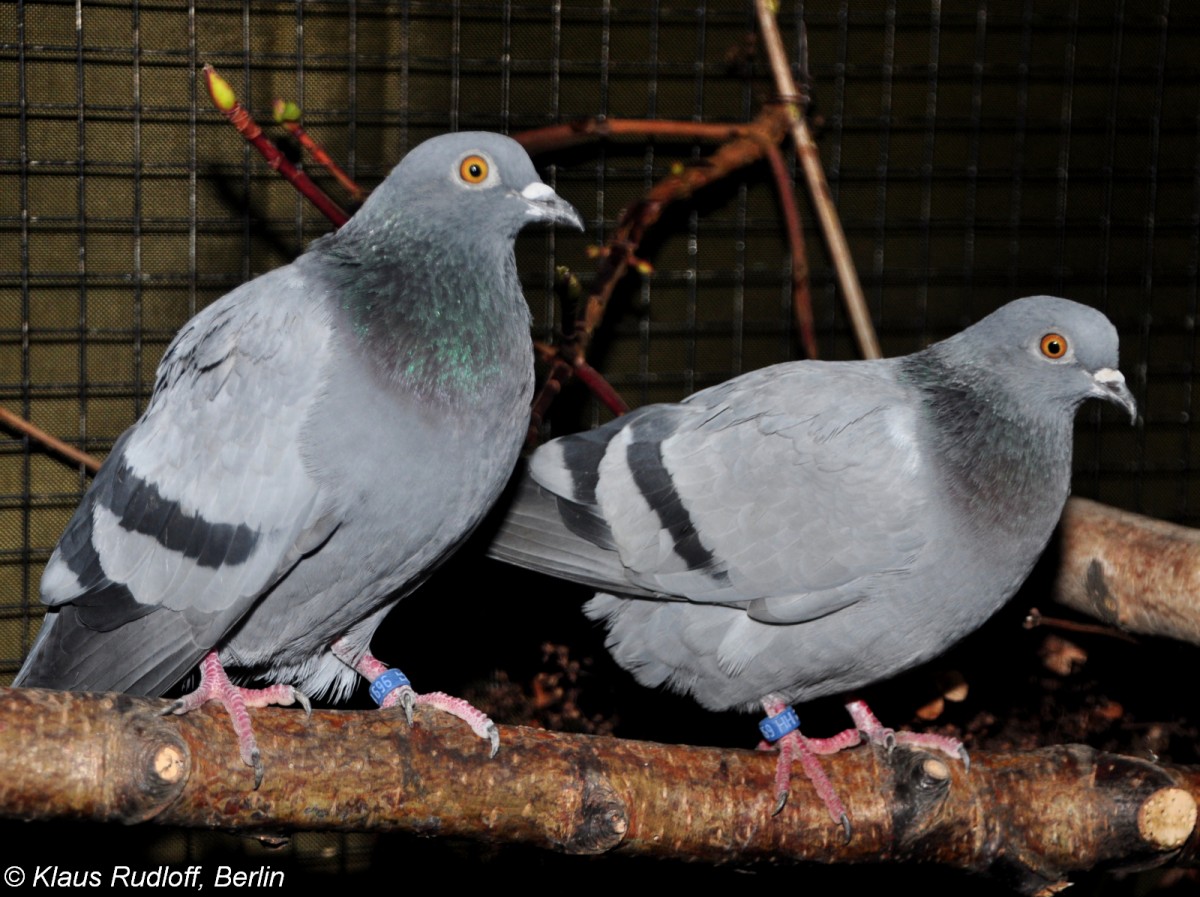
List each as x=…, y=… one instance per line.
x=801, y=295
x=288, y=115
x=586, y=130
x=566, y=361
x=226, y=101
x=600, y=387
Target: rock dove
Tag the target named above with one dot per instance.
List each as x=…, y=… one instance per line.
x=812, y=527
x=318, y=441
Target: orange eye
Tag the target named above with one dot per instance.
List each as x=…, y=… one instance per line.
x=473, y=169
x=1054, y=345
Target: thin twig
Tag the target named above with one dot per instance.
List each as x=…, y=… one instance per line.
x=287, y=114
x=572, y=133
x=1035, y=618
x=745, y=146
x=586, y=130
x=801, y=295
x=227, y=102
x=810, y=160
x=566, y=360
x=54, y=444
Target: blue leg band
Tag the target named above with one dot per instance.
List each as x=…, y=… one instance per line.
x=775, y=727
x=387, y=683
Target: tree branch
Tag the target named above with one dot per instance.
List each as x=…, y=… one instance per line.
x=1032, y=818
x=1134, y=572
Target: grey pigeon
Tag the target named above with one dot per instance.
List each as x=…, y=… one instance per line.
x=812, y=527
x=318, y=441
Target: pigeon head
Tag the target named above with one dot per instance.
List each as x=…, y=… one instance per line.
x=455, y=181
x=425, y=271
x=1054, y=353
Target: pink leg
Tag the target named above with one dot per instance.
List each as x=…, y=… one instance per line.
x=877, y=733
x=370, y=668
x=794, y=746
x=215, y=686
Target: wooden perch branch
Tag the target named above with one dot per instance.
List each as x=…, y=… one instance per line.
x=1137, y=573
x=1031, y=818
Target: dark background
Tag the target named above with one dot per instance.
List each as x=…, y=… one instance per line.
x=977, y=152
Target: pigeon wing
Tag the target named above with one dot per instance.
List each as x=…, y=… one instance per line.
x=793, y=491
x=201, y=506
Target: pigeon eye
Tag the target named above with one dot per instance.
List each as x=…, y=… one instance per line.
x=473, y=169
x=1054, y=345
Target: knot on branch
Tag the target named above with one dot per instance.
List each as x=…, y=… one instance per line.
x=126, y=763
x=602, y=820
x=921, y=783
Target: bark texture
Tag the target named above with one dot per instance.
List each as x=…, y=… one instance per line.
x=1029, y=818
x=1133, y=572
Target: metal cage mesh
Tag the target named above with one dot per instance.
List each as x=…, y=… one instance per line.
x=976, y=151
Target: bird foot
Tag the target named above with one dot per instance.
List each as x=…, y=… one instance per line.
x=216, y=686
x=479, y=721
x=390, y=687
x=793, y=747
x=875, y=732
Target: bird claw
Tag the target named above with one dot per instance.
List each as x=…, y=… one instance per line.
x=965, y=757
x=256, y=762
x=885, y=737
x=371, y=668
x=408, y=700
x=303, y=701
x=844, y=820
x=780, y=801
x=493, y=737
x=406, y=697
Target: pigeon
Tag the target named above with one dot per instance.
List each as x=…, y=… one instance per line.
x=812, y=527
x=318, y=441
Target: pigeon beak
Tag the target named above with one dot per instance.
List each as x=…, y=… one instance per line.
x=1110, y=385
x=546, y=205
